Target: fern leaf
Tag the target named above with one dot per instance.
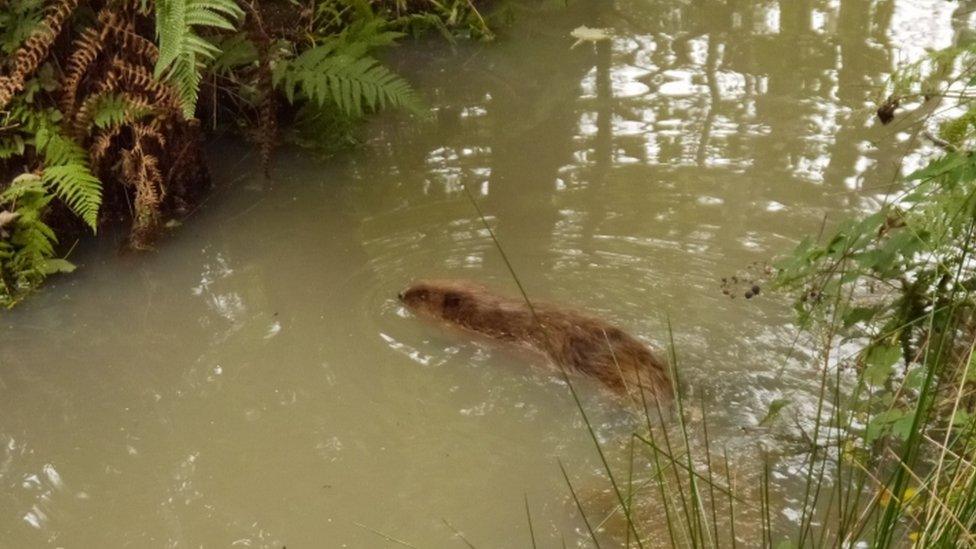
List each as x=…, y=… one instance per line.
x=78, y=188
x=67, y=173
x=105, y=110
x=235, y=51
x=26, y=257
x=185, y=74
x=182, y=51
x=11, y=146
x=207, y=18
x=353, y=83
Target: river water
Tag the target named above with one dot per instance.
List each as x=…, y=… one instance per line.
x=254, y=382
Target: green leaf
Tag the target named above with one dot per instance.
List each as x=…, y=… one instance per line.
x=962, y=418
x=901, y=427
x=914, y=378
x=236, y=51
x=879, y=361
x=881, y=424
x=858, y=314
x=58, y=265
x=950, y=161
x=67, y=173
x=26, y=244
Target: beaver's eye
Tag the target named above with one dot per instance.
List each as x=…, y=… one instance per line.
x=422, y=294
x=451, y=300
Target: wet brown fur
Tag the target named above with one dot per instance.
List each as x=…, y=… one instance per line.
x=579, y=343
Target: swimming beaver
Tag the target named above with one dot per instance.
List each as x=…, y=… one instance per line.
x=579, y=343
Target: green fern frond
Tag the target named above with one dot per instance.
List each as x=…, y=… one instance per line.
x=22, y=185
x=181, y=51
x=11, y=146
x=33, y=240
x=78, y=188
x=26, y=242
x=352, y=83
x=67, y=173
x=17, y=21
x=367, y=34
x=236, y=51
x=185, y=74
x=110, y=110
x=66, y=168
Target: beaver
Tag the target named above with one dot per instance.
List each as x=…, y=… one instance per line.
x=576, y=343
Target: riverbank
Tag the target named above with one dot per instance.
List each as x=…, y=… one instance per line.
x=107, y=105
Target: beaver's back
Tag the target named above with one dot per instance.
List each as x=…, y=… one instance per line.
x=577, y=342
x=593, y=347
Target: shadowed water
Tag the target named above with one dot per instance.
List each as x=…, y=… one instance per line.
x=254, y=383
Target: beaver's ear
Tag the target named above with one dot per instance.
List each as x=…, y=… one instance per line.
x=452, y=301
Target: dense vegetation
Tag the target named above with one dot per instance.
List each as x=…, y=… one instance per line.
x=898, y=284
x=101, y=103
x=889, y=301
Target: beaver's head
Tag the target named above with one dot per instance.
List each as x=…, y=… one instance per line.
x=435, y=298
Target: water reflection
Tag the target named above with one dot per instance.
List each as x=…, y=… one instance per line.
x=256, y=383
x=704, y=136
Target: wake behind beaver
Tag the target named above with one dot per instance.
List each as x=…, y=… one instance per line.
x=578, y=343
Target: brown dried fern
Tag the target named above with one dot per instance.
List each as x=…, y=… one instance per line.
x=81, y=118
x=136, y=47
x=137, y=107
x=85, y=50
x=101, y=144
x=140, y=170
x=135, y=77
x=126, y=71
x=151, y=131
x=150, y=148
x=35, y=49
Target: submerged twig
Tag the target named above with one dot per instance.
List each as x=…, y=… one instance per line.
x=457, y=533
x=387, y=537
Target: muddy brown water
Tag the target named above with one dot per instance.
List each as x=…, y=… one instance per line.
x=254, y=383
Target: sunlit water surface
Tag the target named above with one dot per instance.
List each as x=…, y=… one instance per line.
x=254, y=383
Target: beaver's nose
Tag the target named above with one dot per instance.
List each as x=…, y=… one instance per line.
x=400, y=296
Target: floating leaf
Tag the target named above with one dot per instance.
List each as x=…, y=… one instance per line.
x=588, y=34
x=773, y=411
